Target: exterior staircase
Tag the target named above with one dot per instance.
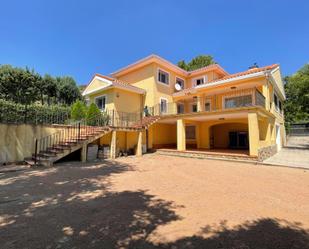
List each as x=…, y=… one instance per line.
x=51, y=153
x=52, y=148
x=146, y=122
x=73, y=137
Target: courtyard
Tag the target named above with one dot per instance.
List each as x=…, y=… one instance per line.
x=155, y=201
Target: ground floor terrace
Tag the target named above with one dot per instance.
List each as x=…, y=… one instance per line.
x=155, y=202
x=247, y=131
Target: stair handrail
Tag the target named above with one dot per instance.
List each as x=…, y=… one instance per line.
x=85, y=126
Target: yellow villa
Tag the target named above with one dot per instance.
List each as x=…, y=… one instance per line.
x=203, y=110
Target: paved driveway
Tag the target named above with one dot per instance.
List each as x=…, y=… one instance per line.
x=295, y=154
x=155, y=202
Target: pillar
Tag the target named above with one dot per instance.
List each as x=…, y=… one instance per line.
x=139, y=151
x=113, y=145
x=181, y=135
x=83, y=155
x=254, y=135
x=199, y=104
x=265, y=91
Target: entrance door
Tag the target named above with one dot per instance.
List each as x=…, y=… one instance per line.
x=238, y=140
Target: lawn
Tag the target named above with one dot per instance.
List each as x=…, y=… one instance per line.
x=155, y=202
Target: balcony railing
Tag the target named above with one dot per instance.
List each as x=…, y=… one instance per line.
x=232, y=100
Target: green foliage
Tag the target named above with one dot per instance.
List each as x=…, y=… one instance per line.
x=25, y=86
x=68, y=92
x=18, y=85
x=78, y=110
x=296, y=107
x=11, y=112
x=92, y=113
x=197, y=62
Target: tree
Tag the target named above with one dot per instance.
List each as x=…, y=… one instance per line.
x=18, y=85
x=296, y=107
x=78, y=110
x=50, y=87
x=68, y=92
x=25, y=86
x=93, y=112
x=197, y=62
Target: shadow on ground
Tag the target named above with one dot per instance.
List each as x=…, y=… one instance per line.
x=73, y=206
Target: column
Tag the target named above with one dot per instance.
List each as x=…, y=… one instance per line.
x=181, y=135
x=199, y=103
x=265, y=91
x=254, y=136
x=139, y=151
x=113, y=145
x=83, y=155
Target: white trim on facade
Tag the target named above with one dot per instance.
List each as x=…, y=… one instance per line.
x=169, y=77
x=230, y=80
x=162, y=98
x=97, y=97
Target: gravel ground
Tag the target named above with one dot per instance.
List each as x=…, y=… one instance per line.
x=155, y=202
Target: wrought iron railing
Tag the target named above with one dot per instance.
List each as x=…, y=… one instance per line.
x=78, y=131
x=232, y=100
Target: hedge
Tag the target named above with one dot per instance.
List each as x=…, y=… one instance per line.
x=11, y=112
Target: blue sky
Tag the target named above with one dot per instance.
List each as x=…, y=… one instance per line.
x=80, y=38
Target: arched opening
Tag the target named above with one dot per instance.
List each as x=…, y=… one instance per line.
x=232, y=136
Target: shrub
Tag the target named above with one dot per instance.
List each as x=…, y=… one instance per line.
x=78, y=110
x=93, y=112
x=11, y=112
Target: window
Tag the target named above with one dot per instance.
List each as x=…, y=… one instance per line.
x=280, y=106
x=180, y=108
x=190, y=132
x=276, y=101
x=194, y=107
x=207, y=105
x=163, y=77
x=199, y=81
x=163, y=105
x=100, y=102
x=181, y=82
x=238, y=101
x=87, y=100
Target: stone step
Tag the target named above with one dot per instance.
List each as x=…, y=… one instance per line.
x=193, y=154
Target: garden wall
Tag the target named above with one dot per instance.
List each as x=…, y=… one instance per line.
x=17, y=141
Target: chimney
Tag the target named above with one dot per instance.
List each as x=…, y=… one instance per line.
x=254, y=66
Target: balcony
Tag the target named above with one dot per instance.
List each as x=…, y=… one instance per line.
x=210, y=103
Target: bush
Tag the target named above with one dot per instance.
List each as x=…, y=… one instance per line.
x=11, y=112
x=78, y=110
x=93, y=112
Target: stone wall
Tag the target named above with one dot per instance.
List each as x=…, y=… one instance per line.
x=266, y=152
x=18, y=141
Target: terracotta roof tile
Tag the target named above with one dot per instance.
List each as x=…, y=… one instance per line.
x=117, y=82
x=230, y=76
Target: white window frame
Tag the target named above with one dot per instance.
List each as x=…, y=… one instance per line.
x=183, y=86
x=204, y=77
x=208, y=100
x=160, y=82
x=276, y=105
x=105, y=96
x=161, y=98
